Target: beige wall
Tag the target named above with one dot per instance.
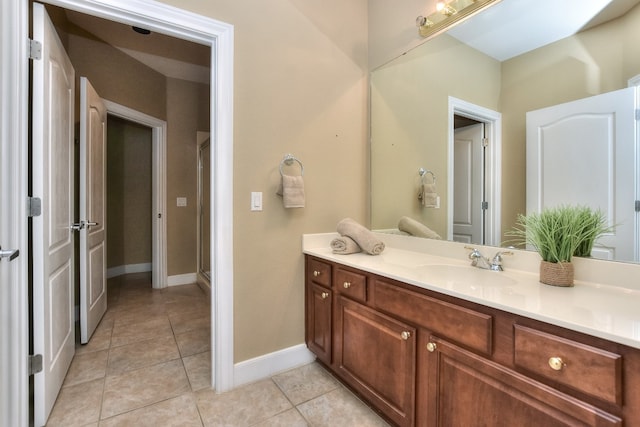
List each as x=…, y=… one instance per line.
x=300, y=87
x=128, y=193
x=185, y=101
x=116, y=76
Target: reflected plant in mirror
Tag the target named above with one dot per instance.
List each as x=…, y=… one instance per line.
x=514, y=110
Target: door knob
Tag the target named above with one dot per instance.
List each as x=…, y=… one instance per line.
x=90, y=223
x=431, y=346
x=77, y=226
x=9, y=253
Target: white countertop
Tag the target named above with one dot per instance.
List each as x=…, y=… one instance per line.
x=606, y=310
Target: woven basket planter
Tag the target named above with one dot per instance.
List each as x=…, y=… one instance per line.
x=556, y=273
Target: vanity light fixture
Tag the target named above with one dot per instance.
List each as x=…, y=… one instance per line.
x=448, y=14
x=445, y=8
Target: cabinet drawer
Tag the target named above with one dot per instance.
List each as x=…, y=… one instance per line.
x=351, y=284
x=582, y=367
x=319, y=272
x=462, y=325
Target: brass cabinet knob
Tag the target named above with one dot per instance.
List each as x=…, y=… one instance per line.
x=316, y=273
x=346, y=285
x=431, y=346
x=556, y=363
x=405, y=335
x=325, y=295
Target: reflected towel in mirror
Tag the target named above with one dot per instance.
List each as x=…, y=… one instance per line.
x=415, y=228
x=428, y=196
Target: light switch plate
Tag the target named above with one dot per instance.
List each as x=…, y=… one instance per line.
x=256, y=200
x=181, y=201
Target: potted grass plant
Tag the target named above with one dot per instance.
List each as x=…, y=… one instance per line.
x=558, y=234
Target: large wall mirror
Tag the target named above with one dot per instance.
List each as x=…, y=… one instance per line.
x=480, y=79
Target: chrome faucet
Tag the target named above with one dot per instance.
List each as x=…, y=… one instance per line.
x=480, y=261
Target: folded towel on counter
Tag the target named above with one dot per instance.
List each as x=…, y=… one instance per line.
x=291, y=189
x=361, y=235
x=345, y=245
x=428, y=196
x=415, y=228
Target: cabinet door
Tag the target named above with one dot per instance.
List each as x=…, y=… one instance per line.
x=463, y=389
x=318, y=333
x=375, y=354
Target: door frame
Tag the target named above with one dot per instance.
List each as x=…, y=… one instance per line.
x=14, y=134
x=158, y=186
x=14, y=119
x=493, y=166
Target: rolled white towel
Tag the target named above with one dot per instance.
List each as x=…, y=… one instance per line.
x=345, y=245
x=415, y=228
x=362, y=236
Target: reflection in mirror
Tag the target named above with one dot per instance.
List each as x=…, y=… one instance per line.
x=412, y=118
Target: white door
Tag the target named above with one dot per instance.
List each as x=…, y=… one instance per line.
x=53, y=240
x=468, y=182
x=583, y=153
x=93, y=254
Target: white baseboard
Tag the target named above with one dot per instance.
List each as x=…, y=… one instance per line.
x=129, y=268
x=267, y=365
x=182, y=279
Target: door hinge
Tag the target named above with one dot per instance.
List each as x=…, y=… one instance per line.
x=637, y=205
x=35, y=364
x=34, y=206
x=485, y=142
x=35, y=49
x=485, y=206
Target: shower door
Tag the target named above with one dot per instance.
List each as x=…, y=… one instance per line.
x=204, y=193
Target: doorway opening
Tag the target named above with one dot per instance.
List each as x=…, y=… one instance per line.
x=478, y=194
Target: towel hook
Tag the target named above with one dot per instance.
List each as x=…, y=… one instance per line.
x=423, y=173
x=288, y=160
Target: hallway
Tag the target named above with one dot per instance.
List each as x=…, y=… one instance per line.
x=148, y=364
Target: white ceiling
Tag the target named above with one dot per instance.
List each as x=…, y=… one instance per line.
x=513, y=27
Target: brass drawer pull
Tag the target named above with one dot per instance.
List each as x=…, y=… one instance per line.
x=405, y=335
x=431, y=346
x=556, y=363
x=324, y=295
x=346, y=285
x=316, y=273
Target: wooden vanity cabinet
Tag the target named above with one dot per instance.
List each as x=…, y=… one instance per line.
x=427, y=359
x=460, y=388
x=376, y=355
x=319, y=309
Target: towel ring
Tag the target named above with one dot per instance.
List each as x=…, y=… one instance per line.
x=288, y=160
x=423, y=173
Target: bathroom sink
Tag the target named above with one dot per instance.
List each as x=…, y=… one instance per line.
x=464, y=277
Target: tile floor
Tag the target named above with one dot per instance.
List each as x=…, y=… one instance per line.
x=148, y=364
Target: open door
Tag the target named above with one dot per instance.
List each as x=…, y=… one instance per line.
x=583, y=153
x=93, y=253
x=53, y=240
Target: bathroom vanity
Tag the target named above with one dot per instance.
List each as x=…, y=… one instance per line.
x=429, y=340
